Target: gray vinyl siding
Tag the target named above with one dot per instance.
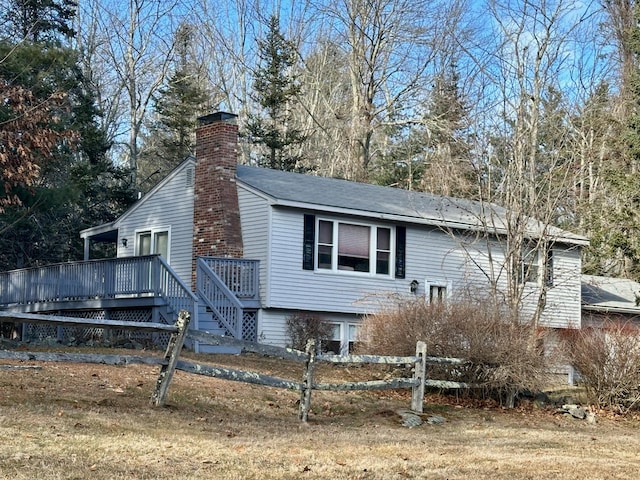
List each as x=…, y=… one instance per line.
x=272, y=327
x=563, y=308
x=295, y=288
x=429, y=254
x=170, y=206
x=432, y=256
x=254, y=214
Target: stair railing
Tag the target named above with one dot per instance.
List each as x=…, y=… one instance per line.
x=219, y=298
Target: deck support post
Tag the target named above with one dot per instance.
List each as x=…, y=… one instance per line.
x=419, y=372
x=174, y=347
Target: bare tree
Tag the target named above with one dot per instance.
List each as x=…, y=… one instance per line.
x=528, y=168
x=388, y=48
x=129, y=47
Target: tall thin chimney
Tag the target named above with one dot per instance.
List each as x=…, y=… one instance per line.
x=216, y=213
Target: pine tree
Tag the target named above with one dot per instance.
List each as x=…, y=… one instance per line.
x=276, y=88
x=39, y=20
x=434, y=155
x=71, y=185
x=177, y=107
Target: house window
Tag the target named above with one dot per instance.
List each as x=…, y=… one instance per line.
x=334, y=344
x=437, y=291
x=533, y=264
x=530, y=266
x=352, y=336
x=321, y=240
x=352, y=247
x=153, y=241
x=548, y=278
x=343, y=339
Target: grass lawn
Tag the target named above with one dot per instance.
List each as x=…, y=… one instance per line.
x=77, y=421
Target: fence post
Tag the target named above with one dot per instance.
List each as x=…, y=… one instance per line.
x=307, y=381
x=419, y=372
x=174, y=347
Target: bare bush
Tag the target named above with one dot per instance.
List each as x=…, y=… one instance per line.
x=303, y=326
x=607, y=359
x=503, y=357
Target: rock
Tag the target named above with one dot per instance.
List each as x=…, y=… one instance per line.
x=409, y=418
x=576, y=411
x=573, y=410
x=436, y=420
x=591, y=418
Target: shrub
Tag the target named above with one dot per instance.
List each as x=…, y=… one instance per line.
x=303, y=326
x=607, y=359
x=503, y=357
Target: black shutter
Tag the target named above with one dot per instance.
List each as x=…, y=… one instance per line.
x=308, y=242
x=401, y=246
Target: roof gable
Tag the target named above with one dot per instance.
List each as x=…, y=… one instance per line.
x=89, y=232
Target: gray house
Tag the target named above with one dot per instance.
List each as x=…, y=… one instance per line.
x=332, y=247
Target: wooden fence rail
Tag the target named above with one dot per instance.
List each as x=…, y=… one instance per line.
x=309, y=358
x=180, y=331
x=167, y=363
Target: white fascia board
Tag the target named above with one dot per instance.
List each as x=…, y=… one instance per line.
x=417, y=220
x=92, y=231
x=610, y=309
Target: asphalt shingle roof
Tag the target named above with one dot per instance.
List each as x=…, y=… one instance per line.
x=610, y=294
x=324, y=193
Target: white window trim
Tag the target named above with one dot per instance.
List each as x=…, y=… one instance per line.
x=343, y=335
x=373, y=250
x=540, y=257
x=428, y=283
x=153, y=231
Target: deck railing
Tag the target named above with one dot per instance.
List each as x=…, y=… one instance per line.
x=239, y=275
x=112, y=278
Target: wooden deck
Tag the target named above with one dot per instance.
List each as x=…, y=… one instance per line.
x=135, y=284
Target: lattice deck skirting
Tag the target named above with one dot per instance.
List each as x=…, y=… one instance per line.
x=40, y=333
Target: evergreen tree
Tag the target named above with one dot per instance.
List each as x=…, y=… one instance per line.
x=177, y=107
x=276, y=88
x=39, y=20
x=614, y=187
x=435, y=154
x=73, y=186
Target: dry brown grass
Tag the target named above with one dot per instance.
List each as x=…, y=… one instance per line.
x=76, y=421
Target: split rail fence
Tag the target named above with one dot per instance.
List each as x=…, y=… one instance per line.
x=171, y=362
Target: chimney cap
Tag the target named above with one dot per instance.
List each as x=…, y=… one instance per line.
x=217, y=117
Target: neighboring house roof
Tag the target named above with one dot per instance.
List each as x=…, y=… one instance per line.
x=342, y=196
x=610, y=295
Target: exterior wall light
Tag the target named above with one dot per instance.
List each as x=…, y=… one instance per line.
x=124, y=242
x=414, y=286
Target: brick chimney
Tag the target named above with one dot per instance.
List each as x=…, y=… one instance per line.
x=216, y=214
